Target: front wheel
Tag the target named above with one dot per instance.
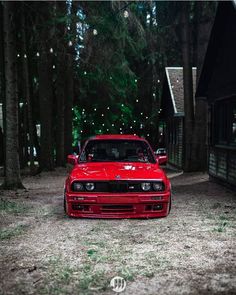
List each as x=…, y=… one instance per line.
x=65, y=209
x=169, y=206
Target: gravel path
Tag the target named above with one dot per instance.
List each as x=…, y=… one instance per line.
x=192, y=251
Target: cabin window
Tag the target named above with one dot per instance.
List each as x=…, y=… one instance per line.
x=225, y=122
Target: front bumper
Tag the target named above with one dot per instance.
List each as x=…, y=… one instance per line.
x=127, y=205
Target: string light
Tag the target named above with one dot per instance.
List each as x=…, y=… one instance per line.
x=126, y=14
x=70, y=43
x=134, y=121
x=85, y=73
x=95, y=32
x=92, y=123
x=108, y=108
x=81, y=131
x=177, y=80
x=53, y=66
x=103, y=124
x=94, y=109
x=122, y=104
x=112, y=125
x=110, y=78
x=148, y=134
x=146, y=117
x=136, y=100
x=135, y=80
x=131, y=127
x=154, y=94
x=102, y=115
x=18, y=55
x=37, y=54
x=141, y=114
x=158, y=81
x=51, y=50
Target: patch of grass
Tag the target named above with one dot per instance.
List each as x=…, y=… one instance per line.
x=62, y=278
x=12, y=207
x=8, y=233
x=221, y=226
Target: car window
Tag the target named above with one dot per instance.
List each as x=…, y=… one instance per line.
x=117, y=151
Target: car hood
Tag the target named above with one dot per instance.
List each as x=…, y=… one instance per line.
x=117, y=171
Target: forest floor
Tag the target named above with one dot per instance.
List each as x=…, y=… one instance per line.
x=192, y=251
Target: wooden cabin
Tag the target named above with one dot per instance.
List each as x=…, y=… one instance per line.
x=217, y=85
x=172, y=113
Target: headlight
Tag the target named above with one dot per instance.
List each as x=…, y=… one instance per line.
x=158, y=186
x=146, y=186
x=77, y=186
x=90, y=186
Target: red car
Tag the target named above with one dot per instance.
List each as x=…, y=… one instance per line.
x=116, y=176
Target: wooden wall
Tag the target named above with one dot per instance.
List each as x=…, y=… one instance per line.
x=222, y=164
x=174, y=142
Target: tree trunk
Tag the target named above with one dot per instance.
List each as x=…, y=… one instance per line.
x=60, y=100
x=12, y=179
x=27, y=93
x=46, y=103
x=69, y=105
x=2, y=90
x=188, y=88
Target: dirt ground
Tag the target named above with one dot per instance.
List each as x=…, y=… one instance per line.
x=192, y=251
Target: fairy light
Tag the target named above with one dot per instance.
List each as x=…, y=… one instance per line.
x=158, y=81
x=92, y=123
x=95, y=32
x=123, y=124
x=148, y=134
x=146, y=117
x=25, y=56
x=107, y=130
x=53, y=66
x=108, y=108
x=154, y=94
x=37, y=54
x=70, y=43
x=85, y=73
x=134, y=121
x=141, y=114
x=94, y=109
x=177, y=80
x=102, y=115
x=122, y=104
x=103, y=124
x=81, y=131
x=110, y=78
x=18, y=55
x=126, y=14
x=135, y=80
x=136, y=100
x=131, y=127
x=51, y=50
x=112, y=125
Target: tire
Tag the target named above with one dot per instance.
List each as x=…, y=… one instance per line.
x=169, y=207
x=65, y=204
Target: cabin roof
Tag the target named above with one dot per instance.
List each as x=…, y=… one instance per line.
x=174, y=77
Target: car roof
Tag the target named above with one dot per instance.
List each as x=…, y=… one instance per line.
x=116, y=136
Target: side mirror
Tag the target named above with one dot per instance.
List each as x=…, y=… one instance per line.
x=72, y=159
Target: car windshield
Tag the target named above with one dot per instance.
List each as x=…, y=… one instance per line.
x=117, y=151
